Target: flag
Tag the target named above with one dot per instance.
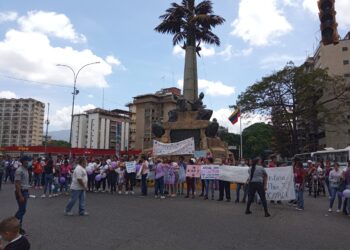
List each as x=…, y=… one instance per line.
x=234, y=116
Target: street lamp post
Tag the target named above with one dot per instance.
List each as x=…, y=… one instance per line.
x=75, y=92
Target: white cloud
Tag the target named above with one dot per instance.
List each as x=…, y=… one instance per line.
x=112, y=60
x=178, y=51
x=279, y=61
x=61, y=118
x=30, y=55
x=205, y=51
x=259, y=22
x=90, y=96
x=50, y=23
x=212, y=88
x=342, y=8
x=228, y=52
x=223, y=114
x=8, y=16
x=7, y=94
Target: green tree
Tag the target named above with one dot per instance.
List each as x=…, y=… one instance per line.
x=190, y=24
x=58, y=143
x=296, y=101
x=256, y=139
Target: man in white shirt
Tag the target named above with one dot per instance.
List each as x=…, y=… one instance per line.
x=78, y=188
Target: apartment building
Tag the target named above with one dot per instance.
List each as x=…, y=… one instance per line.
x=101, y=129
x=147, y=109
x=21, y=122
x=335, y=58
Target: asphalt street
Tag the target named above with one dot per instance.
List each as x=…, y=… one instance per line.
x=135, y=222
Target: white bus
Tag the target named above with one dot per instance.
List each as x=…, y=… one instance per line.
x=342, y=156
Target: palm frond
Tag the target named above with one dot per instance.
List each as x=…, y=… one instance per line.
x=179, y=37
x=208, y=37
x=205, y=7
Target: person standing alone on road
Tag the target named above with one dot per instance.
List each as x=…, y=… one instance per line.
x=257, y=183
x=78, y=188
x=21, y=192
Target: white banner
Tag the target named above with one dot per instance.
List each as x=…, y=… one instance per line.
x=210, y=172
x=234, y=174
x=185, y=147
x=280, y=184
x=130, y=166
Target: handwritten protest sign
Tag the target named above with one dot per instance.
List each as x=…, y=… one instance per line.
x=210, y=172
x=185, y=147
x=280, y=184
x=234, y=174
x=130, y=166
x=193, y=171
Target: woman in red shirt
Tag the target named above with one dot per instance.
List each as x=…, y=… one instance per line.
x=299, y=177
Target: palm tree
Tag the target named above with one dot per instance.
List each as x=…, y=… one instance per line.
x=191, y=25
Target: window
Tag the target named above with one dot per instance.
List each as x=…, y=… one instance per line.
x=345, y=62
x=345, y=49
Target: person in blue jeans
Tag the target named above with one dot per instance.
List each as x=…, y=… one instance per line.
x=22, y=185
x=78, y=189
x=334, y=180
x=299, y=177
x=48, y=171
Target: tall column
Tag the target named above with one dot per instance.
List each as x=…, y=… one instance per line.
x=190, y=87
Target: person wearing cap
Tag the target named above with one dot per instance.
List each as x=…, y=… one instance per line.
x=21, y=192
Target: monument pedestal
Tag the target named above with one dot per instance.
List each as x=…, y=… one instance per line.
x=188, y=126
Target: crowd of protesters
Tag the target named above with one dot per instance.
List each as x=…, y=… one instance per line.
x=62, y=175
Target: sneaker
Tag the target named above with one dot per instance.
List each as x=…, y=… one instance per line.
x=132, y=192
x=205, y=197
x=43, y=196
x=156, y=196
x=267, y=215
x=338, y=210
x=119, y=192
x=68, y=213
x=299, y=209
x=219, y=200
x=330, y=210
x=248, y=212
x=126, y=192
x=162, y=197
x=84, y=214
x=187, y=196
x=50, y=196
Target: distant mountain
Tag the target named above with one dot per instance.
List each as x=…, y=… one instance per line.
x=60, y=135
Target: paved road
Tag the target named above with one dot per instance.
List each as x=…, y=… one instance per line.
x=126, y=222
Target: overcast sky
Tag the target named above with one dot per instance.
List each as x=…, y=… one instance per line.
x=257, y=38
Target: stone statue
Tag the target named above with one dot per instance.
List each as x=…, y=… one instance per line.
x=212, y=130
x=157, y=130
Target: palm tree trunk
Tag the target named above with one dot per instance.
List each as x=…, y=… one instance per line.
x=190, y=88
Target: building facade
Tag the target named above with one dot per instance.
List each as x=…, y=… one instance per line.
x=334, y=58
x=146, y=110
x=21, y=122
x=101, y=129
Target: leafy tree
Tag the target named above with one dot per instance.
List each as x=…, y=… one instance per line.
x=256, y=139
x=297, y=101
x=58, y=143
x=190, y=24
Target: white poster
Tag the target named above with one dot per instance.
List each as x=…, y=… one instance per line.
x=185, y=147
x=210, y=172
x=280, y=184
x=234, y=174
x=130, y=166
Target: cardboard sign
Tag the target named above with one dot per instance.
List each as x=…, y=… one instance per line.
x=130, y=166
x=210, y=172
x=280, y=184
x=193, y=171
